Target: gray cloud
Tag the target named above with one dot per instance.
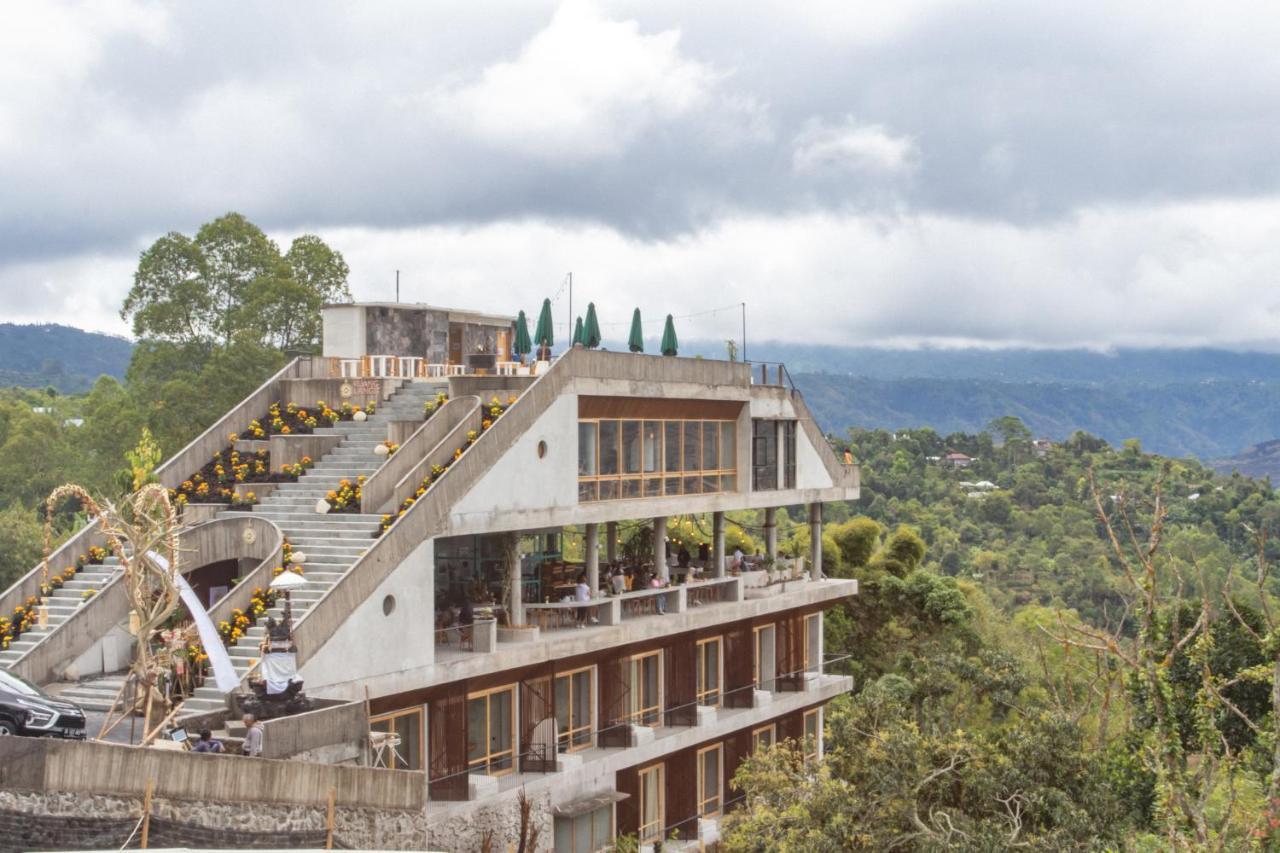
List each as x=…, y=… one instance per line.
x=669, y=126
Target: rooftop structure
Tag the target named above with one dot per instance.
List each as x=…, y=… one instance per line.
x=507, y=588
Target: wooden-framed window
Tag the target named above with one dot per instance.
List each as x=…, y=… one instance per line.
x=813, y=734
x=764, y=666
x=645, y=689
x=811, y=637
x=710, y=780
x=491, y=745
x=710, y=671
x=575, y=708
x=407, y=725
x=652, y=806
x=764, y=737
x=633, y=458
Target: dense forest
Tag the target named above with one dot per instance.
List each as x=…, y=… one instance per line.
x=1022, y=679
x=66, y=359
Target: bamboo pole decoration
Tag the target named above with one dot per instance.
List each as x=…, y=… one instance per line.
x=146, y=812
x=328, y=839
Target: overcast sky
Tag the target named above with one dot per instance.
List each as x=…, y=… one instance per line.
x=891, y=173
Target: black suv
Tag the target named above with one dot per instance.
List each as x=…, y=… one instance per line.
x=26, y=710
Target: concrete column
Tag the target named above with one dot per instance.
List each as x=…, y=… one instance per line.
x=717, y=548
x=611, y=542
x=660, y=548
x=815, y=540
x=593, y=558
x=517, y=588
x=771, y=533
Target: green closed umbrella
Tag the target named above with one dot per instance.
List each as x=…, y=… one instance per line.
x=577, y=332
x=591, y=330
x=543, y=336
x=636, y=339
x=523, y=346
x=669, y=342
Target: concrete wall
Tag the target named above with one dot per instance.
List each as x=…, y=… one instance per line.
x=338, y=734
x=370, y=643
x=520, y=481
x=343, y=331
x=306, y=392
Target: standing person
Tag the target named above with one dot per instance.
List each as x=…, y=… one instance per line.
x=659, y=600
x=206, y=743
x=581, y=594
x=737, y=559
x=252, y=737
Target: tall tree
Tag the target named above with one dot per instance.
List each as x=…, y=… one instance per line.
x=232, y=283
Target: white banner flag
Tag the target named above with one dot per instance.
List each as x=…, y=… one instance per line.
x=224, y=674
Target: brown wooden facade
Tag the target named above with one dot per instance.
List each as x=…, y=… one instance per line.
x=446, y=704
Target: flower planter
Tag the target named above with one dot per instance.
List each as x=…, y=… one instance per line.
x=260, y=490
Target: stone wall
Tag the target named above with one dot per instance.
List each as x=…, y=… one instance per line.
x=465, y=829
x=60, y=821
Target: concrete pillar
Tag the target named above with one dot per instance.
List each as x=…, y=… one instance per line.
x=815, y=540
x=771, y=533
x=593, y=558
x=717, y=548
x=660, y=548
x=517, y=588
x=611, y=543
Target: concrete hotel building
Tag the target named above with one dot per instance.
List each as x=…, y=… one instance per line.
x=628, y=722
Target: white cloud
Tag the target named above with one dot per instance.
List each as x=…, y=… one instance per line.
x=851, y=147
x=585, y=85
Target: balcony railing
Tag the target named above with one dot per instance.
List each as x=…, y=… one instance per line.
x=414, y=367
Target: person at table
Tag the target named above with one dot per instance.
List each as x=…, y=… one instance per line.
x=466, y=615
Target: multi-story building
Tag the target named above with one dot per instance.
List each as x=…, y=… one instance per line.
x=442, y=602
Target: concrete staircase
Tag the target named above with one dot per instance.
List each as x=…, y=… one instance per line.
x=94, y=694
x=332, y=542
x=63, y=604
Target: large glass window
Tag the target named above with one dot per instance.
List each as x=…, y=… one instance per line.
x=401, y=748
x=645, y=691
x=490, y=731
x=789, y=454
x=710, y=780
x=764, y=455
x=652, y=807
x=587, y=449
x=585, y=833
x=709, y=672
x=764, y=737
x=573, y=709
x=608, y=448
x=632, y=459
x=652, y=446
x=631, y=447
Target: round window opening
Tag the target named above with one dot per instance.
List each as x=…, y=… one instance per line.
x=542, y=449
x=388, y=605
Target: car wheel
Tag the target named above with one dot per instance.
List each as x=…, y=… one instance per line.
x=7, y=727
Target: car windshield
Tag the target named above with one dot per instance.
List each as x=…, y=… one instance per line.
x=14, y=684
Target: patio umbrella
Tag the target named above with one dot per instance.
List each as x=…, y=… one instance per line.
x=669, y=342
x=523, y=346
x=543, y=336
x=636, y=340
x=591, y=330
x=577, y=332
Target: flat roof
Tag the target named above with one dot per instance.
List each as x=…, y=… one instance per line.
x=459, y=313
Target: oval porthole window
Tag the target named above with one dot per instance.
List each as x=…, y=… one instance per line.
x=388, y=605
x=542, y=449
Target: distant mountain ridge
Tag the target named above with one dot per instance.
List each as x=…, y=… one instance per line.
x=64, y=357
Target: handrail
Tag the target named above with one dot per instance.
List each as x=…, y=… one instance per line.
x=109, y=605
x=172, y=472
x=385, y=485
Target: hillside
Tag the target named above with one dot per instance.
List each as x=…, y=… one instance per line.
x=63, y=357
x=1208, y=419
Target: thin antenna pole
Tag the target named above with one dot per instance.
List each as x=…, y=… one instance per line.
x=397, y=285
x=744, y=331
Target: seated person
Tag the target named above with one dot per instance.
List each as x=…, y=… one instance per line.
x=206, y=743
